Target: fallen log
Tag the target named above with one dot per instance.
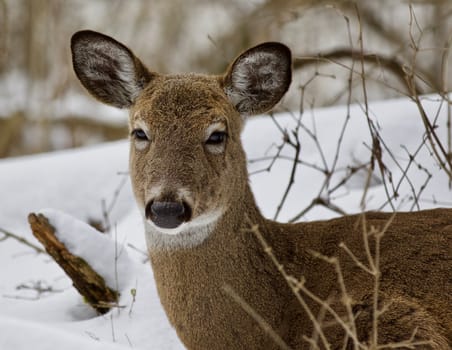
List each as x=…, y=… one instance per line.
x=85, y=279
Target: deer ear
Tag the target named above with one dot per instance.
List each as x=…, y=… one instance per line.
x=108, y=69
x=259, y=78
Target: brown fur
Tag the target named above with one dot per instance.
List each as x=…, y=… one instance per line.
x=177, y=109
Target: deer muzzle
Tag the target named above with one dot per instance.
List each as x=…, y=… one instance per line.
x=167, y=214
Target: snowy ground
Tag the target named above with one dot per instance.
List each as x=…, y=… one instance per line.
x=40, y=309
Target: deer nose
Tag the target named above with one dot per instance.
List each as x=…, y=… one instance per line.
x=168, y=214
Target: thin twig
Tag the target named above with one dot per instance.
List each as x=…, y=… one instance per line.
x=258, y=318
x=345, y=297
x=267, y=249
x=8, y=234
x=107, y=208
x=442, y=156
x=297, y=146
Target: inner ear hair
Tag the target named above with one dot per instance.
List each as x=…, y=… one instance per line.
x=259, y=78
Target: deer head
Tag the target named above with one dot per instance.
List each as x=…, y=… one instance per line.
x=187, y=164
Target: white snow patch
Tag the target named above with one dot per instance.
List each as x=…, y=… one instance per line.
x=18, y=334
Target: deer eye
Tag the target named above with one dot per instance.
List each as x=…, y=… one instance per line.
x=216, y=138
x=140, y=135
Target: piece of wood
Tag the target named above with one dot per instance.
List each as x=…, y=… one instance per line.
x=87, y=281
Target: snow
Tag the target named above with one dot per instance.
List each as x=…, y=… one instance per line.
x=41, y=310
x=400, y=127
x=45, y=337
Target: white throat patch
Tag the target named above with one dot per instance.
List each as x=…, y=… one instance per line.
x=187, y=235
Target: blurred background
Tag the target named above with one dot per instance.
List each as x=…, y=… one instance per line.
x=44, y=108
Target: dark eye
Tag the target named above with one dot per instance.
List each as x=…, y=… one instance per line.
x=216, y=138
x=139, y=134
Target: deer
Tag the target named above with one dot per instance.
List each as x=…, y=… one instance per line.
x=189, y=176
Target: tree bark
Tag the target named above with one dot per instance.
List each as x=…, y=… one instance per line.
x=87, y=281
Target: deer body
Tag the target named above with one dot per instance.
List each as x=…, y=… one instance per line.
x=189, y=176
x=191, y=282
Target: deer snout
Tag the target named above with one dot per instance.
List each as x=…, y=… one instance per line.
x=166, y=214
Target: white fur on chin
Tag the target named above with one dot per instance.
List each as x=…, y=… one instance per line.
x=187, y=235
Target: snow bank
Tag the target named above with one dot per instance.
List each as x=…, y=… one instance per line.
x=105, y=255
x=75, y=181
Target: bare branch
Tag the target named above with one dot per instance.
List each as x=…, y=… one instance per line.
x=8, y=234
x=258, y=318
x=390, y=64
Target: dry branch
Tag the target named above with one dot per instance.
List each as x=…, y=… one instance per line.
x=390, y=64
x=8, y=234
x=87, y=281
x=258, y=318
